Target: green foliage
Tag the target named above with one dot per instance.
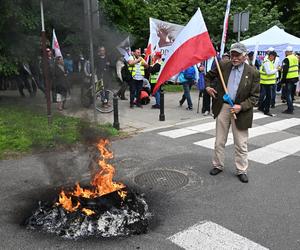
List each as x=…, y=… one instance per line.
x=263, y=15
x=22, y=131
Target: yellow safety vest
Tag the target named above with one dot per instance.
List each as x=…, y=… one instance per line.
x=264, y=78
x=132, y=69
x=293, y=71
x=153, y=77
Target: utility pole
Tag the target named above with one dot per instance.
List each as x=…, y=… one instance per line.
x=45, y=65
x=90, y=30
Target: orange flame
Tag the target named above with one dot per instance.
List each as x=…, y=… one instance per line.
x=102, y=182
x=88, y=211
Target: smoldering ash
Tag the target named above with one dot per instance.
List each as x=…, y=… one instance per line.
x=104, y=209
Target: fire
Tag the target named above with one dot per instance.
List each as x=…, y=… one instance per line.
x=102, y=183
x=88, y=211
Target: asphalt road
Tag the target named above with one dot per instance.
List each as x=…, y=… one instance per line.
x=263, y=214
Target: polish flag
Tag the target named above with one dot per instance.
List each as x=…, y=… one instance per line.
x=55, y=45
x=190, y=47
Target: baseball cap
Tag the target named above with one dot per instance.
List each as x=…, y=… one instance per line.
x=270, y=49
x=238, y=47
x=289, y=48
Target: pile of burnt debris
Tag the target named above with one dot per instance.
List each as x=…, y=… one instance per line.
x=112, y=216
x=104, y=209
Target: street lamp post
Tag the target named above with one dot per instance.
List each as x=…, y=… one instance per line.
x=45, y=65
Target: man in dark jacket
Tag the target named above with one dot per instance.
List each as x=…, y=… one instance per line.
x=242, y=82
x=290, y=76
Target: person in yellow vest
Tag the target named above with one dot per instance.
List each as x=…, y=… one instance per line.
x=137, y=67
x=290, y=76
x=154, y=70
x=267, y=81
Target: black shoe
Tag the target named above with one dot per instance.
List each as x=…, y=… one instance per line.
x=189, y=108
x=269, y=114
x=272, y=106
x=215, y=171
x=180, y=103
x=243, y=178
x=261, y=110
x=287, y=112
x=155, y=106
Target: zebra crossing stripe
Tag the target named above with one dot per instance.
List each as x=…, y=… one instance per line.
x=176, y=133
x=208, y=235
x=275, y=151
x=272, y=127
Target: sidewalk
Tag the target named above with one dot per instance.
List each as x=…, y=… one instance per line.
x=141, y=120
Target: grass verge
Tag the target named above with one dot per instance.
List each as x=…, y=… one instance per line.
x=176, y=88
x=23, y=131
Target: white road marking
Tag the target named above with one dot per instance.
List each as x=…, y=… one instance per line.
x=275, y=151
x=272, y=127
x=207, y=235
x=296, y=104
x=176, y=133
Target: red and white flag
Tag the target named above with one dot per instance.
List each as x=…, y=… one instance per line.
x=191, y=46
x=55, y=45
x=225, y=28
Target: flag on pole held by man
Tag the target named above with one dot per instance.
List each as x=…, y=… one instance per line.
x=225, y=28
x=124, y=48
x=55, y=45
x=191, y=46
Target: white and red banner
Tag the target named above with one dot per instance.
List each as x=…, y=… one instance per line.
x=191, y=46
x=225, y=28
x=124, y=48
x=162, y=36
x=55, y=45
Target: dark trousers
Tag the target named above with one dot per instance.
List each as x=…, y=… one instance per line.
x=206, y=102
x=135, y=87
x=122, y=89
x=265, y=101
x=186, y=94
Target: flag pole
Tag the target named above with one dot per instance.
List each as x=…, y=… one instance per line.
x=223, y=82
x=45, y=65
x=225, y=27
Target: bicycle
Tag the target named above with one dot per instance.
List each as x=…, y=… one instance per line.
x=104, y=97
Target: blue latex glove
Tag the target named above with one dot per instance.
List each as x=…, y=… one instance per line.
x=227, y=99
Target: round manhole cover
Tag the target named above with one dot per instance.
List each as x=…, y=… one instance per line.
x=164, y=180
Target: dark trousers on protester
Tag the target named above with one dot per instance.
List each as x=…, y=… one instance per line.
x=135, y=87
x=206, y=102
x=122, y=89
x=186, y=94
x=265, y=100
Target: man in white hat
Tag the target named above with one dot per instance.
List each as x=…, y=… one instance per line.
x=290, y=75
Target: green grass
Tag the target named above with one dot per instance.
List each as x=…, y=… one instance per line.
x=23, y=131
x=175, y=88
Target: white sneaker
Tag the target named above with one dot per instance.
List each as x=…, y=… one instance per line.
x=206, y=113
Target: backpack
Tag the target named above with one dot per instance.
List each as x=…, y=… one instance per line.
x=126, y=74
x=189, y=73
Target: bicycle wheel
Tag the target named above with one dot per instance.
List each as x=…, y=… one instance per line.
x=104, y=101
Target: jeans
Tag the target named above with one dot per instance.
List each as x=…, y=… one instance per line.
x=273, y=94
x=186, y=94
x=264, y=105
x=157, y=97
x=289, y=87
x=135, y=87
